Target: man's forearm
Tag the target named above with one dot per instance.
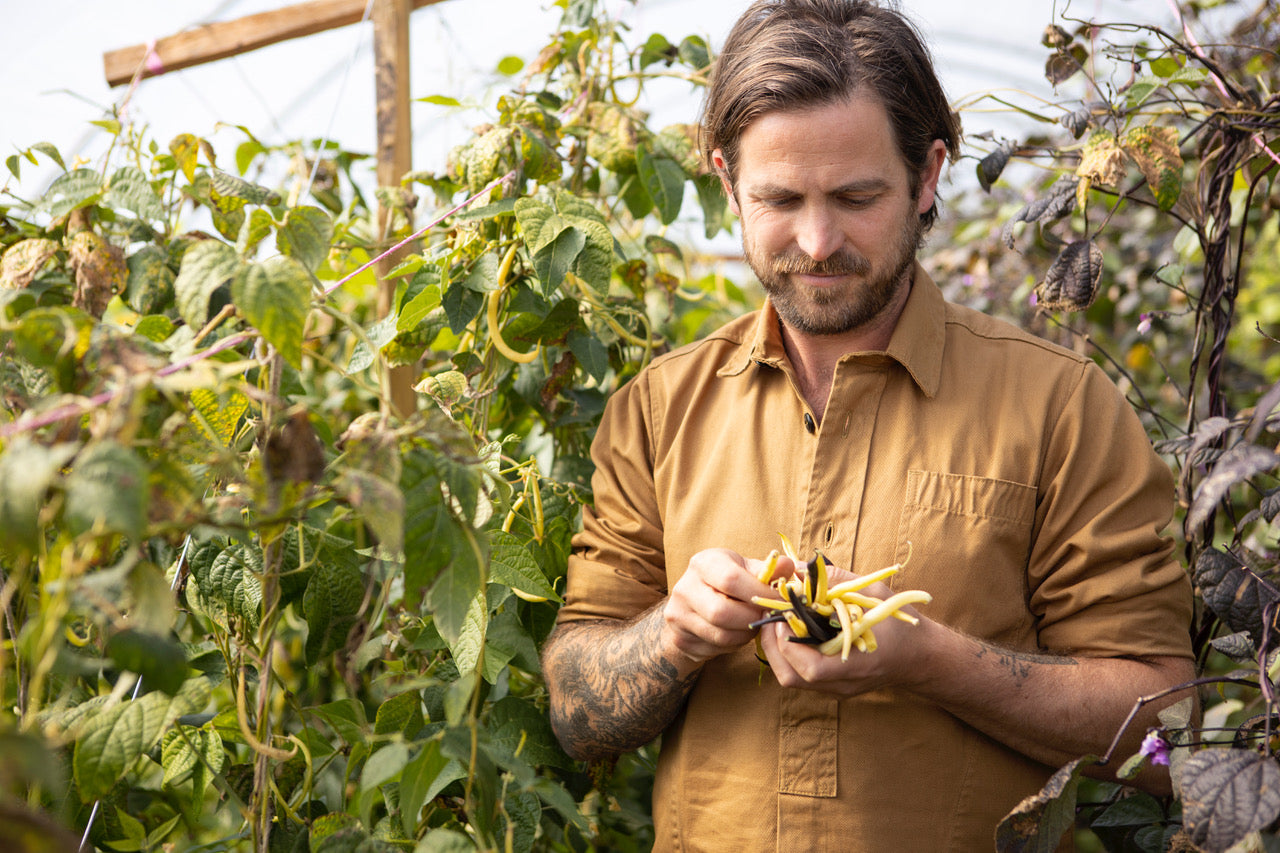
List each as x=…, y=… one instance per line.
x=612, y=686
x=1054, y=708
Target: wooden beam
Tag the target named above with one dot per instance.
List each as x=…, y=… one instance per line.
x=395, y=158
x=229, y=38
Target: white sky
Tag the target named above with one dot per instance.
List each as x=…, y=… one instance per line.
x=322, y=86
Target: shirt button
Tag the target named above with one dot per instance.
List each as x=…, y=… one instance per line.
x=809, y=425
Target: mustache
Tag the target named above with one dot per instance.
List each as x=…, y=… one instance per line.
x=841, y=263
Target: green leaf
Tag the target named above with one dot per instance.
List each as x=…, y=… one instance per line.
x=430, y=529
x=219, y=413
x=517, y=724
x=347, y=718
x=255, y=228
x=693, y=50
x=510, y=563
x=424, y=776
x=509, y=66
x=594, y=264
x=110, y=742
x=459, y=585
x=187, y=749
x=72, y=190
x=400, y=715
x=1136, y=810
x=657, y=49
x=557, y=258
x=27, y=471
x=130, y=189
x=331, y=605
x=591, y=353
x=51, y=151
x=714, y=204
x=384, y=765
x=471, y=648
x=539, y=223
x=306, y=235
x=204, y=280
x=274, y=297
x=107, y=491
x=441, y=100
x=227, y=586
x=1165, y=66
x=13, y=162
x=664, y=180
x=158, y=659
x=229, y=186
x=149, y=287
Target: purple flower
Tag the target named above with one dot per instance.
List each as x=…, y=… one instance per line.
x=1144, y=324
x=1155, y=748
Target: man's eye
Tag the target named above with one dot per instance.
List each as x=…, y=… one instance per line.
x=782, y=202
x=856, y=201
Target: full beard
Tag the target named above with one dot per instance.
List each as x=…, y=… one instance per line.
x=843, y=307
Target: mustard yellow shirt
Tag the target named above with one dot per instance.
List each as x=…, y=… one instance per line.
x=1033, y=504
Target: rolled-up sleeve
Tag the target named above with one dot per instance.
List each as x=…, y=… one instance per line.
x=1102, y=577
x=617, y=567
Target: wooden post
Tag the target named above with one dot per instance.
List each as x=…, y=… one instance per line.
x=231, y=38
x=395, y=138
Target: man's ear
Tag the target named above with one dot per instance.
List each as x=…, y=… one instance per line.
x=722, y=170
x=930, y=175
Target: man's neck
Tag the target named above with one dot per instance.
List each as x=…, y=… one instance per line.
x=814, y=357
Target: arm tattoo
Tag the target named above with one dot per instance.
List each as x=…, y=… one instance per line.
x=1020, y=664
x=611, y=688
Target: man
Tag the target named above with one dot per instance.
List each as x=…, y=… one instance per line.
x=862, y=416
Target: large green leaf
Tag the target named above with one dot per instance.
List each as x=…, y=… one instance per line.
x=110, y=742
x=27, y=470
x=191, y=750
x=430, y=530
x=130, y=189
x=664, y=180
x=149, y=287
x=225, y=583
x=306, y=235
x=539, y=223
x=71, y=190
x=158, y=659
x=557, y=258
x=204, y=280
x=510, y=563
x=458, y=587
x=331, y=606
x=422, y=778
x=274, y=297
x=107, y=491
x=400, y=715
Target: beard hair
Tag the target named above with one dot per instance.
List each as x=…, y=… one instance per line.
x=844, y=307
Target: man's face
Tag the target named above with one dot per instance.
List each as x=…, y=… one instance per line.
x=830, y=225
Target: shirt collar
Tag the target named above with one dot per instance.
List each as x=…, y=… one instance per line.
x=916, y=344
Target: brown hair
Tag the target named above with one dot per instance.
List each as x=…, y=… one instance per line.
x=785, y=54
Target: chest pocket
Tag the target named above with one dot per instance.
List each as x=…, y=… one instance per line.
x=969, y=540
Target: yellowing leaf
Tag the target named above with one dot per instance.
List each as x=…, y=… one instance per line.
x=1155, y=150
x=23, y=261
x=1102, y=161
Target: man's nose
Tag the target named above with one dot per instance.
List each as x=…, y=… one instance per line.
x=818, y=234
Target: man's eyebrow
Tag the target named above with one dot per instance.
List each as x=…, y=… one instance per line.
x=863, y=185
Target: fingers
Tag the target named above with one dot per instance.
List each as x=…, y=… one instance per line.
x=709, y=612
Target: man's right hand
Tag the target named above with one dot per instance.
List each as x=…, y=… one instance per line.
x=709, y=609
